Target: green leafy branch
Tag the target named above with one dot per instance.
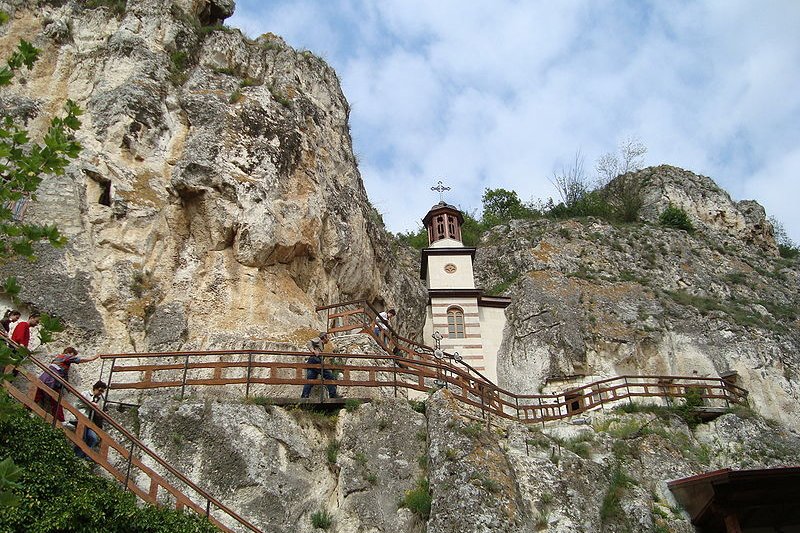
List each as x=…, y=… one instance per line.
x=24, y=162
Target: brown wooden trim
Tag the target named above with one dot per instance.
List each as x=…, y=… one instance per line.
x=494, y=301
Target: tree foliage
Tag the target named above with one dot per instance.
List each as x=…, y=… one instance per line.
x=501, y=205
x=786, y=246
x=24, y=162
x=416, y=239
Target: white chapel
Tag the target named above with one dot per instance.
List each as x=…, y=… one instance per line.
x=469, y=322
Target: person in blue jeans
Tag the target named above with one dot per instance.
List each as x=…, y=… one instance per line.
x=94, y=397
x=317, y=345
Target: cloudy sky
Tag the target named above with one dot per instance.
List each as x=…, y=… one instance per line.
x=503, y=93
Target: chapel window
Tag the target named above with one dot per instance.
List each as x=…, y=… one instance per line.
x=455, y=323
x=440, y=227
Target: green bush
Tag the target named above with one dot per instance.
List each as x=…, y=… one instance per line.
x=590, y=204
x=417, y=239
x=352, y=404
x=417, y=405
x=57, y=492
x=418, y=500
x=321, y=519
x=788, y=251
x=501, y=205
x=332, y=452
x=675, y=217
x=611, y=508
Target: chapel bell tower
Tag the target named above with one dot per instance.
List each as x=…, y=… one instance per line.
x=469, y=322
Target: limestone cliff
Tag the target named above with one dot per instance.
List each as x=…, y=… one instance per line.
x=217, y=196
x=594, y=299
x=217, y=202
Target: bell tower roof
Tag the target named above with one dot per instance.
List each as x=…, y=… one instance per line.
x=440, y=208
x=443, y=221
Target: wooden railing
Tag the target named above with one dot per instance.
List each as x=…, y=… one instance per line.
x=125, y=462
x=360, y=315
x=249, y=368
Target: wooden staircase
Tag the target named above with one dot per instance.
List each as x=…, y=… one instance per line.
x=121, y=454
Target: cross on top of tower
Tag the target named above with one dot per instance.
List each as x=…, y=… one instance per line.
x=440, y=188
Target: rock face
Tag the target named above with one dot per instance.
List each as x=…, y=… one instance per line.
x=470, y=471
x=217, y=191
x=278, y=467
x=592, y=300
x=709, y=207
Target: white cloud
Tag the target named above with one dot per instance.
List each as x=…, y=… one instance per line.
x=500, y=94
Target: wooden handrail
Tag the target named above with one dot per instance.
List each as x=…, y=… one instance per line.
x=449, y=357
x=399, y=341
x=182, y=500
x=419, y=374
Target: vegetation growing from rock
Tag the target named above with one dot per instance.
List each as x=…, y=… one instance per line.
x=675, y=217
x=611, y=508
x=787, y=248
x=321, y=519
x=418, y=500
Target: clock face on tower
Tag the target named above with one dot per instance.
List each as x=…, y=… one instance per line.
x=450, y=268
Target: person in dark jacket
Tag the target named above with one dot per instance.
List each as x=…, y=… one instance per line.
x=317, y=346
x=11, y=316
x=95, y=398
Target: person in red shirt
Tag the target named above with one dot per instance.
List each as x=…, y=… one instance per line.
x=22, y=333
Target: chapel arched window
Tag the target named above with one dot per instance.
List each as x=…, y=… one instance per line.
x=455, y=323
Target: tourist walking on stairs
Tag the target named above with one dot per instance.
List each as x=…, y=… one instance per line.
x=59, y=365
x=9, y=320
x=95, y=398
x=317, y=346
x=22, y=331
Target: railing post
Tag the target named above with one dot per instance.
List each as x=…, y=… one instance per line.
x=628, y=390
x=130, y=461
x=725, y=392
x=249, y=369
x=516, y=401
x=208, y=507
x=322, y=374
x=185, y=370
x=541, y=411
x=110, y=376
x=394, y=375
x=58, y=404
x=489, y=411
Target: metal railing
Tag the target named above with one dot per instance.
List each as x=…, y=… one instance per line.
x=125, y=462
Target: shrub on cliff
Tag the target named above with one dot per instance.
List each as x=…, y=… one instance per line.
x=56, y=491
x=675, y=217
